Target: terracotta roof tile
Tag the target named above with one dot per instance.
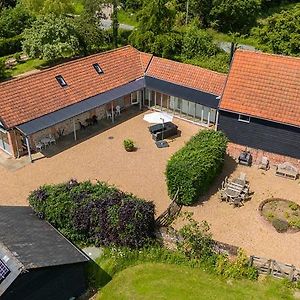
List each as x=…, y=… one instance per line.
x=264, y=85
x=187, y=75
x=38, y=94
x=145, y=60
x=30, y=97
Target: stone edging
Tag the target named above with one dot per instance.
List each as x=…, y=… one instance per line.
x=260, y=209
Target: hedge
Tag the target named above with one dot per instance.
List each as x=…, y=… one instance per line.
x=96, y=214
x=193, y=168
x=10, y=45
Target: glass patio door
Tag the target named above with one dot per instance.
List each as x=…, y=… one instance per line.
x=4, y=143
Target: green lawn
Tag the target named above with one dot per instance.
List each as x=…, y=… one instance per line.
x=29, y=65
x=126, y=17
x=163, y=281
x=78, y=6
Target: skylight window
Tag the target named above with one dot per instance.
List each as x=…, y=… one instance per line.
x=4, y=271
x=98, y=68
x=61, y=81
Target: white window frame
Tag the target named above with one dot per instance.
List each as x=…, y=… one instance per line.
x=242, y=118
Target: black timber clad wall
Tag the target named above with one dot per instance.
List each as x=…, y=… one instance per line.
x=59, y=283
x=261, y=134
x=186, y=93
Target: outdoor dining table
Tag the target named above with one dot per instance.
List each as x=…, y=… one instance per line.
x=234, y=188
x=46, y=140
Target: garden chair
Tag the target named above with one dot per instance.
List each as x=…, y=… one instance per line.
x=242, y=176
x=108, y=114
x=118, y=110
x=52, y=139
x=264, y=163
x=39, y=146
x=237, y=202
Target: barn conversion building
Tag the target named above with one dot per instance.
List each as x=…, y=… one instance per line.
x=256, y=105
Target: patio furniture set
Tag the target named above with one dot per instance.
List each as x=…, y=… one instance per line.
x=235, y=191
x=89, y=122
x=115, y=113
x=286, y=169
x=44, y=142
x=161, y=131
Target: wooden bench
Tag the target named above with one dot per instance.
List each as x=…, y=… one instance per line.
x=287, y=170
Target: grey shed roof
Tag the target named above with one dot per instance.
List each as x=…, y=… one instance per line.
x=34, y=242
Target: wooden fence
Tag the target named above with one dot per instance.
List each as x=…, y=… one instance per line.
x=169, y=215
x=275, y=268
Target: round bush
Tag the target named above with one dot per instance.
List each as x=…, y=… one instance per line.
x=280, y=225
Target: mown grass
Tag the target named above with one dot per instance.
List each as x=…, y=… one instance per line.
x=29, y=65
x=164, y=281
x=127, y=17
x=78, y=6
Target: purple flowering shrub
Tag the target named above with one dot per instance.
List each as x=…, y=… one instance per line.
x=96, y=214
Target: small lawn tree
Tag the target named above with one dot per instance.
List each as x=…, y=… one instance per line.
x=51, y=38
x=192, y=169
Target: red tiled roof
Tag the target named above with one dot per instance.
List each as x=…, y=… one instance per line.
x=264, y=85
x=30, y=97
x=187, y=75
x=38, y=94
x=145, y=60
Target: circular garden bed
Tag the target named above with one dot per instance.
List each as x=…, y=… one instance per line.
x=283, y=214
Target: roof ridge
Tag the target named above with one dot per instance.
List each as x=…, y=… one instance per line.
x=79, y=59
x=268, y=54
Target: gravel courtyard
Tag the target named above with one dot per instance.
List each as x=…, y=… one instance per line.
x=142, y=173
x=104, y=158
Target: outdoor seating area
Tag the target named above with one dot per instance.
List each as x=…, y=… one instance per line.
x=245, y=158
x=163, y=128
x=44, y=142
x=162, y=131
x=287, y=170
x=114, y=112
x=235, y=191
x=264, y=164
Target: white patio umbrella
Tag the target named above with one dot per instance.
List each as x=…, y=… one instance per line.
x=158, y=118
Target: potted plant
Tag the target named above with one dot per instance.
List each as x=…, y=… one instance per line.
x=129, y=145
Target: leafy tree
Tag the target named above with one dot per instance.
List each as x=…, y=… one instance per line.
x=2, y=69
x=198, y=42
x=199, y=9
x=14, y=20
x=43, y=7
x=115, y=23
x=93, y=8
x=238, y=15
x=156, y=16
x=156, y=20
x=131, y=4
x=90, y=35
x=281, y=32
x=51, y=38
x=7, y=3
